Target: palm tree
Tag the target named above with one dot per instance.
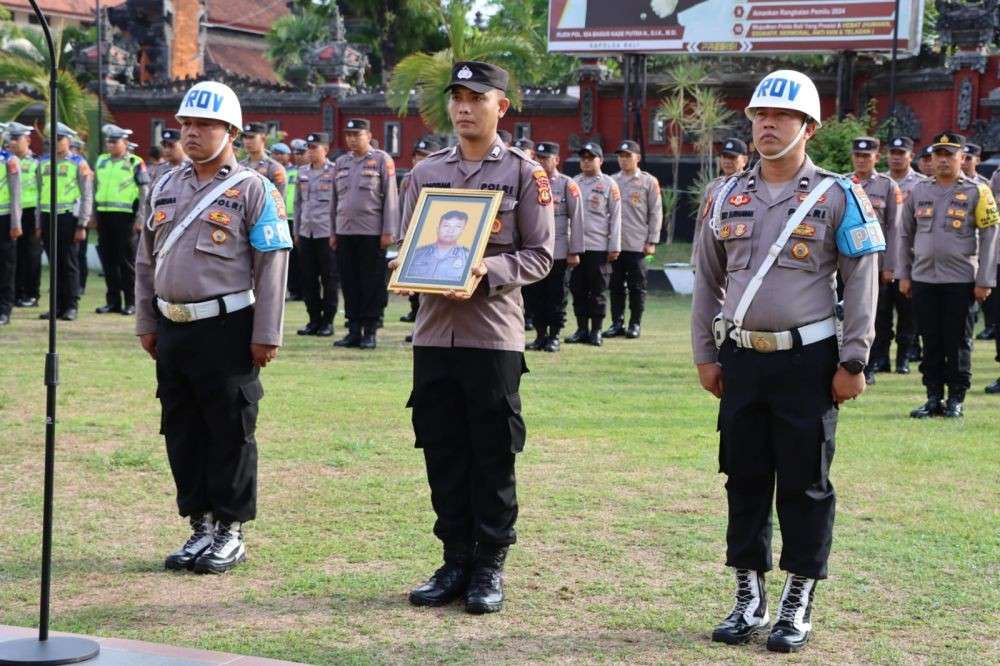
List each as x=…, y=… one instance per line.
x=291, y=36
x=429, y=73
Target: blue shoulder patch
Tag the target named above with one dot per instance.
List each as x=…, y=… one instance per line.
x=859, y=232
x=76, y=159
x=270, y=231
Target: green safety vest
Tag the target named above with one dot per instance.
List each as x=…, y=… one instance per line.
x=29, y=182
x=116, y=187
x=67, y=188
x=4, y=182
x=293, y=179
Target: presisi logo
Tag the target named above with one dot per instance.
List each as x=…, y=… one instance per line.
x=203, y=99
x=776, y=87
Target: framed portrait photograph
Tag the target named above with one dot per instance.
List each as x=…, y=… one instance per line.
x=446, y=238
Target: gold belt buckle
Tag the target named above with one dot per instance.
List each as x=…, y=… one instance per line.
x=178, y=313
x=763, y=342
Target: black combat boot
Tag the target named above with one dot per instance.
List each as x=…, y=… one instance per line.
x=485, y=593
x=352, y=339
x=581, y=335
x=226, y=551
x=450, y=581
x=616, y=330
x=793, y=626
x=993, y=388
x=368, y=340
x=552, y=343
x=202, y=533
x=634, y=330
x=953, y=407
x=595, y=337
x=902, y=361
x=749, y=616
x=933, y=407
x=308, y=329
x=540, y=337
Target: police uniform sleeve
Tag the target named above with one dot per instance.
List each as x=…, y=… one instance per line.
x=892, y=210
x=860, y=274
x=145, y=314
x=903, y=250
x=14, y=186
x=574, y=209
x=390, y=196
x=987, y=223
x=268, y=232
x=707, y=200
x=654, y=204
x=85, y=180
x=409, y=200
x=297, y=210
x=614, y=217
x=535, y=221
x=142, y=180
x=709, y=278
x=279, y=177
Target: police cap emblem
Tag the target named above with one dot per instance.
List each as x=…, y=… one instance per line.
x=464, y=73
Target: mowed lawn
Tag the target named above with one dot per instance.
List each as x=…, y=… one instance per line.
x=622, y=523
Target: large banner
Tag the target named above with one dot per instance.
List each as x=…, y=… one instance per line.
x=731, y=26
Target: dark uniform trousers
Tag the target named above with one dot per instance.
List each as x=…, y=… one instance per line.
x=67, y=259
x=996, y=312
x=777, y=426
x=29, y=258
x=116, y=245
x=469, y=439
x=588, y=282
x=628, y=272
x=945, y=314
x=547, y=299
x=889, y=301
x=81, y=262
x=209, y=390
x=362, y=266
x=8, y=259
x=319, y=271
x=294, y=283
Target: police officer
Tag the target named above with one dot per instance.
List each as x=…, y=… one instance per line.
x=907, y=342
x=765, y=342
x=885, y=198
x=255, y=143
x=642, y=218
x=366, y=208
x=314, y=211
x=926, y=161
x=602, y=237
x=10, y=227
x=548, y=296
x=733, y=156
x=210, y=287
x=947, y=262
x=972, y=154
x=282, y=154
x=29, y=250
x=468, y=353
x=120, y=191
x=74, y=196
x=421, y=149
x=299, y=156
x=994, y=388
x=173, y=154
x=526, y=146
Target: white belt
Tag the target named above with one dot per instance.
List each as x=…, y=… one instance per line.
x=772, y=341
x=185, y=312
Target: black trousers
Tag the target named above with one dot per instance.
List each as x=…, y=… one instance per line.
x=209, y=390
x=628, y=273
x=777, y=428
x=8, y=266
x=890, y=301
x=29, y=258
x=996, y=312
x=319, y=279
x=67, y=261
x=945, y=314
x=414, y=304
x=547, y=299
x=588, y=282
x=294, y=283
x=81, y=261
x=116, y=245
x=467, y=419
x=362, y=266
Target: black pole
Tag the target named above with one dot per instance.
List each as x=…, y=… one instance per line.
x=100, y=76
x=892, y=71
x=627, y=93
x=59, y=650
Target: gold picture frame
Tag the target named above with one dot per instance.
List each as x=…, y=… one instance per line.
x=445, y=240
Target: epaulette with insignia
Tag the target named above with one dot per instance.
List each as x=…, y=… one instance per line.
x=520, y=153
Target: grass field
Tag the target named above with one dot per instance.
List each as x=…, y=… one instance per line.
x=622, y=512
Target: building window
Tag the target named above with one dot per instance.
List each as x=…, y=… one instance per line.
x=393, y=138
x=156, y=132
x=273, y=127
x=522, y=131
x=657, y=130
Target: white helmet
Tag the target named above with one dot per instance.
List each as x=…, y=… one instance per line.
x=786, y=89
x=214, y=100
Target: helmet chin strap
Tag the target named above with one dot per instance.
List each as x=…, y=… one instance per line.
x=784, y=151
x=218, y=151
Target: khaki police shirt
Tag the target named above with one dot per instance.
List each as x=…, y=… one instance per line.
x=568, y=213
x=642, y=210
x=801, y=286
x=602, y=213
x=887, y=199
x=908, y=181
x=366, y=201
x=213, y=257
x=315, y=201
x=939, y=242
x=12, y=168
x=519, y=250
x=271, y=169
x=704, y=213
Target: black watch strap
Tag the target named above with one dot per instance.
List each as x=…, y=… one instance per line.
x=854, y=367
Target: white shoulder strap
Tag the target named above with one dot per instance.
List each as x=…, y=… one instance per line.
x=775, y=250
x=725, y=187
x=196, y=210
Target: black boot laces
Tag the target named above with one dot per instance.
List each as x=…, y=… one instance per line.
x=201, y=530
x=795, y=599
x=744, y=591
x=482, y=577
x=222, y=536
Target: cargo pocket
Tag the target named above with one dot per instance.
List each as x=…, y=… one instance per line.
x=723, y=468
x=736, y=239
x=430, y=427
x=250, y=393
x=515, y=422
x=828, y=435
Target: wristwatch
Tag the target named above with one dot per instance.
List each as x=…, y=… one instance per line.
x=854, y=367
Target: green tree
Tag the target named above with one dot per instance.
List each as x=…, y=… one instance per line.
x=293, y=35
x=391, y=29
x=429, y=73
x=831, y=147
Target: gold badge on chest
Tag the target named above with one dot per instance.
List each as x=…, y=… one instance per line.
x=800, y=251
x=219, y=236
